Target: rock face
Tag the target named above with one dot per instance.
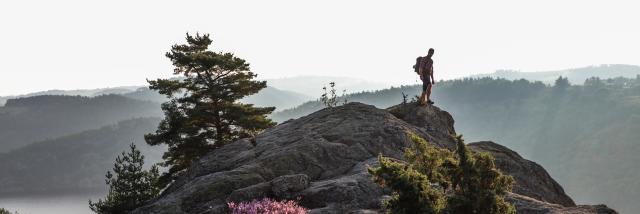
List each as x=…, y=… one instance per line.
x=531, y=179
x=322, y=160
x=529, y=205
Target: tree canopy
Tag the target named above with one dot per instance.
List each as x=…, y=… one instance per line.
x=203, y=112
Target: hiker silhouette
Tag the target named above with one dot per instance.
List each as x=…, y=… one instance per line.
x=424, y=68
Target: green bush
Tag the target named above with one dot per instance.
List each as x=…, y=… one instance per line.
x=131, y=187
x=435, y=180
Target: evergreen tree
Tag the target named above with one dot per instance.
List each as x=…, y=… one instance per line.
x=131, y=187
x=413, y=192
x=594, y=82
x=562, y=83
x=435, y=163
x=204, y=112
x=478, y=186
x=434, y=180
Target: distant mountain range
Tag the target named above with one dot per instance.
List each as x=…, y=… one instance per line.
x=30, y=119
x=72, y=140
x=311, y=86
x=79, y=92
x=270, y=96
x=575, y=75
x=48, y=114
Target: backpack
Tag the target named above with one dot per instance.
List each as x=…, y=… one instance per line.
x=416, y=67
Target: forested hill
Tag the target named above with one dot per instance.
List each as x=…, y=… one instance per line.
x=35, y=117
x=77, y=92
x=25, y=120
x=585, y=135
x=75, y=162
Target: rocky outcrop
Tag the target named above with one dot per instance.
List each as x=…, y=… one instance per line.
x=531, y=179
x=529, y=205
x=322, y=159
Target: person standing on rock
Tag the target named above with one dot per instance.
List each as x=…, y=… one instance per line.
x=425, y=69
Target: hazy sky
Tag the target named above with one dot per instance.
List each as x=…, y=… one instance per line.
x=89, y=44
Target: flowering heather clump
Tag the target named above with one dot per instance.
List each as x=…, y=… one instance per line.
x=266, y=206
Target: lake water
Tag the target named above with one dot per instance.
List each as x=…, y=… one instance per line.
x=63, y=204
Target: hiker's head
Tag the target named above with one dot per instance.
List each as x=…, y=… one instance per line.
x=430, y=52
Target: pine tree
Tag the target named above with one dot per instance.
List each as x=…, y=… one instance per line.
x=204, y=112
x=413, y=192
x=561, y=84
x=479, y=187
x=434, y=180
x=130, y=187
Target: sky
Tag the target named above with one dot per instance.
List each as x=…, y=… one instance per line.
x=69, y=44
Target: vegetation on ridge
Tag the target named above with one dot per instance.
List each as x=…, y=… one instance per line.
x=434, y=180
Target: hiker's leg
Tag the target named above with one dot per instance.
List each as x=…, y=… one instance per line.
x=422, y=101
x=429, y=92
x=424, y=93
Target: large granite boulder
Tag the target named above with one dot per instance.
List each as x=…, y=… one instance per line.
x=322, y=159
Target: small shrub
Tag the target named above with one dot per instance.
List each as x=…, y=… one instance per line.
x=266, y=206
x=404, y=98
x=330, y=98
